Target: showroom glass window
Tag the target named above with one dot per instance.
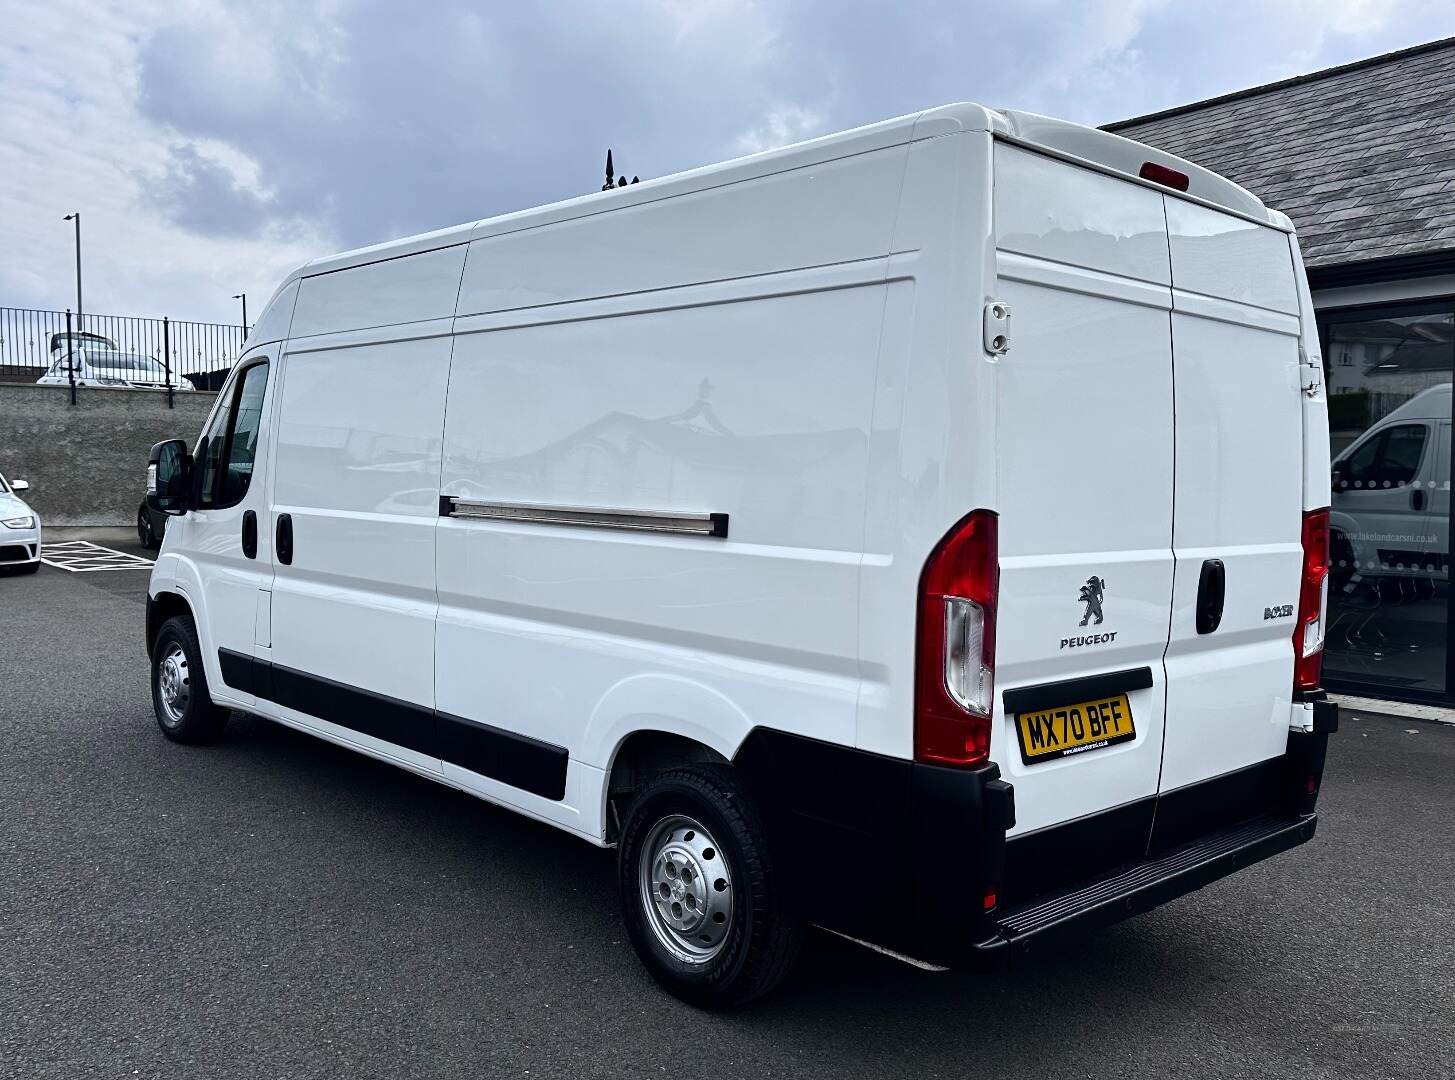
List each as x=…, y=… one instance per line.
x=1389, y=379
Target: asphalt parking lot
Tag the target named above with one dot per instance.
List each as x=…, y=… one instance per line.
x=273, y=906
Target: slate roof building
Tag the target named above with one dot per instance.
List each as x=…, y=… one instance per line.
x=1362, y=158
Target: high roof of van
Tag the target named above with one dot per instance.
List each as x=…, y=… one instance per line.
x=1076, y=143
x=1432, y=403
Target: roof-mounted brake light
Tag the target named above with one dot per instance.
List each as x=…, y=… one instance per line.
x=1161, y=174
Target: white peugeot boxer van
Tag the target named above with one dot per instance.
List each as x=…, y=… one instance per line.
x=919, y=532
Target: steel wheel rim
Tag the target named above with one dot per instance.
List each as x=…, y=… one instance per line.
x=174, y=685
x=686, y=889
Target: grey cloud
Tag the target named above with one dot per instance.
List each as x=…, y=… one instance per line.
x=205, y=196
x=418, y=117
x=375, y=120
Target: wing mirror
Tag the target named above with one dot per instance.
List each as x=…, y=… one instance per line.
x=169, y=478
x=20, y=485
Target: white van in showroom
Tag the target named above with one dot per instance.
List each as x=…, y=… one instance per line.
x=1391, y=499
x=920, y=532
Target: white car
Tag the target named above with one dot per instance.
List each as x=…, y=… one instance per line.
x=781, y=556
x=19, y=529
x=95, y=365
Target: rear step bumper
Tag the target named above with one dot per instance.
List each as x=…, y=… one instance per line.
x=1038, y=924
x=921, y=862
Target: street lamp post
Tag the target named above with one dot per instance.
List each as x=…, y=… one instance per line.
x=244, y=298
x=76, y=217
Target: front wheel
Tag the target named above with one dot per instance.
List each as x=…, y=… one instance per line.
x=702, y=905
x=180, y=697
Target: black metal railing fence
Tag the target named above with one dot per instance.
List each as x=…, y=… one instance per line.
x=32, y=342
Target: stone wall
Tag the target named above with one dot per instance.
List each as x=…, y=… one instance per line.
x=87, y=462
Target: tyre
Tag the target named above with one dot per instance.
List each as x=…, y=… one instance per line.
x=703, y=907
x=144, y=528
x=29, y=568
x=180, y=697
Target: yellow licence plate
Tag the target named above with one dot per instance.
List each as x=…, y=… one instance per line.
x=1074, y=729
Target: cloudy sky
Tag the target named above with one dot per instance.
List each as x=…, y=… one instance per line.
x=212, y=147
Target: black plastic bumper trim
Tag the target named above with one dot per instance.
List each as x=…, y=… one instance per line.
x=518, y=760
x=924, y=843
x=1069, y=691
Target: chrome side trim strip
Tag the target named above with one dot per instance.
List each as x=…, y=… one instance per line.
x=658, y=521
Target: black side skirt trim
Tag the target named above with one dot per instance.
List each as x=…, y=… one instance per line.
x=518, y=760
x=514, y=759
x=1070, y=691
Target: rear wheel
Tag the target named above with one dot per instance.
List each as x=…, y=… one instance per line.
x=702, y=905
x=180, y=697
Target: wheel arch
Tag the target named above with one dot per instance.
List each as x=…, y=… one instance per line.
x=645, y=753
x=165, y=605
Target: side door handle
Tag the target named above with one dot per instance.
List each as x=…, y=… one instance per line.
x=283, y=539
x=250, y=534
x=1417, y=499
x=1211, y=589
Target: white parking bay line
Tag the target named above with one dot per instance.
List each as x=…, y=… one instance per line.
x=84, y=557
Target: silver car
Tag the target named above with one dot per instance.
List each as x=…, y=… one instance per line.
x=19, y=529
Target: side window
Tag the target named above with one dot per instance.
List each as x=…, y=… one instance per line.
x=216, y=436
x=243, y=443
x=1388, y=460
x=232, y=440
x=1403, y=448
x=1360, y=465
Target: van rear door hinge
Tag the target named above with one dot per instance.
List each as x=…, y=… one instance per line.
x=1310, y=372
x=997, y=328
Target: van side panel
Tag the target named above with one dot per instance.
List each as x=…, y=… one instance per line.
x=412, y=288
x=934, y=422
x=756, y=409
x=745, y=389
x=358, y=471
x=815, y=215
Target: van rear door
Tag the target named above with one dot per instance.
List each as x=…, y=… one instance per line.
x=1085, y=490
x=1237, y=525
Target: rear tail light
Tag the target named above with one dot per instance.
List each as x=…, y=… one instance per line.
x=1313, y=602
x=1161, y=174
x=955, y=650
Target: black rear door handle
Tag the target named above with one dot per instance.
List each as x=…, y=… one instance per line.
x=1211, y=589
x=250, y=534
x=283, y=539
x=1417, y=499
